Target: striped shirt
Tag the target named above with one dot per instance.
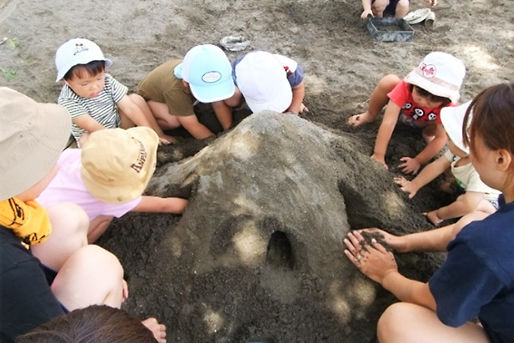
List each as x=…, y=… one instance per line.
x=101, y=108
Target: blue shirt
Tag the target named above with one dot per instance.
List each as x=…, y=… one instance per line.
x=477, y=278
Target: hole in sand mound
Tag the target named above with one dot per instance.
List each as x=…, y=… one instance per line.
x=279, y=253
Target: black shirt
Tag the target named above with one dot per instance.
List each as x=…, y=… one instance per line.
x=26, y=300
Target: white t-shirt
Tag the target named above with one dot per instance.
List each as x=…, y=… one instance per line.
x=67, y=186
x=468, y=178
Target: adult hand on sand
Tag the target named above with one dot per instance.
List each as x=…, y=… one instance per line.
x=406, y=186
x=409, y=165
x=397, y=243
x=373, y=260
x=158, y=330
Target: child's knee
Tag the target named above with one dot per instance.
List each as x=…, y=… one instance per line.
x=403, y=5
x=97, y=257
x=388, y=82
x=378, y=6
x=137, y=99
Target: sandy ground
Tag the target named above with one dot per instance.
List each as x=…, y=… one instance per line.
x=342, y=63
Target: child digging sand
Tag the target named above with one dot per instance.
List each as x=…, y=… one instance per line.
x=268, y=81
x=94, y=99
x=172, y=90
x=457, y=157
x=470, y=298
x=415, y=101
x=107, y=177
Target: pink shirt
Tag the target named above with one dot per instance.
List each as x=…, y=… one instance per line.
x=402, y=96
x=67, y=186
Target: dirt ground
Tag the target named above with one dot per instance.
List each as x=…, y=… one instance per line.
x=342, y=63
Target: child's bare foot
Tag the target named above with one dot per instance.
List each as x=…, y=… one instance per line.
x=432, y=216
x=359, y=119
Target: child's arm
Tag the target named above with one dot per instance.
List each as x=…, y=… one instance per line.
x=194, y=127
x=88, y=123
x=385, y=131
x=427, y=174
x=465, y=203
x=434, y=146
x=297, y=106
x=223, y=113
x=136, y=115
x=158, y=204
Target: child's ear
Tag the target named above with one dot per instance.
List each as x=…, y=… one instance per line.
x=185, y=83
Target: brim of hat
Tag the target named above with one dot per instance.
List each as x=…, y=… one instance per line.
x=177, y=71
x=452, y=119
x=213, y=92
x=280, y=102
x=34, y=151
x=121, y=194
x=415, y=79
x=64, y=70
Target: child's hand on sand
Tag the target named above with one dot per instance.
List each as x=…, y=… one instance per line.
x=303, y=108
x=298, y=110
x=373, y=260
x=431, y=3
x=409, y=165
x=165, y=140
x=433, y=217
x=158, y=330
x=406, y=186
x=366, y=13
x=380, y=160
x=359, y=119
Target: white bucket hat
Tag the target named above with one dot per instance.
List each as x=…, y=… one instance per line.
x=209, y=73
x=263, y=82
x=77, y=51
x=440, y=74
x=31, y=139
x=452, y=118
x=117, y=164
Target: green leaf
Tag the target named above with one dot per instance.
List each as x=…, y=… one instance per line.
x=13, y=43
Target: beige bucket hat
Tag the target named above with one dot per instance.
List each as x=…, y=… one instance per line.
x=32, y=136
x=117, y=164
